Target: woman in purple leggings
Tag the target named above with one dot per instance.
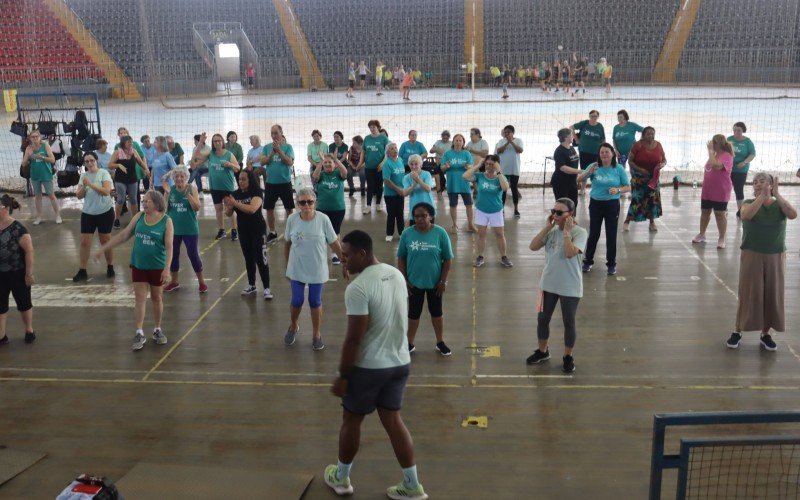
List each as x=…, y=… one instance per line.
x=184, y=202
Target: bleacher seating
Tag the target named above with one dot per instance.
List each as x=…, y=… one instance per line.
x=35, y=46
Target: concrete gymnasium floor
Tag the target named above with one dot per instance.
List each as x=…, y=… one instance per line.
x=225, y=391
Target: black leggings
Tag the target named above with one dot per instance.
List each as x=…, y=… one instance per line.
x=254, y=250
x=513, y=181
x=566, y=191
x=13, y=283
x=374, y=186
x=394, y=214
x=739, y=179
x=569, y=307
x=603, y=211
x=416, y=298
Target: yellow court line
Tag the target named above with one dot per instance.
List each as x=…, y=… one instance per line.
x=209, y=246
x=473, y=344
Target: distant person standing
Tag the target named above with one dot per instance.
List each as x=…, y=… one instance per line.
x=508, y=149
x=591, y=135
x=97, y=215
x=717, y=188
x=362, y=75
x=41, y=160
x=744, y=152
x=251, y=76
x=16, y=270
x=374, y=153
x=624, y=135
x=379, y=77
x=374, y=367
x=408, y=82
x=278, y=160
x=412, y=147
x=351, y=79
x=607, y=73
x=564, y=181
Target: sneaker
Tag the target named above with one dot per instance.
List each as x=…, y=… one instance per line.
x=505, y=262
x=80, y=276
x=172, y=287
x=30, y=337
x=767, y=343
x=318, y=344
x=586, y=267
x=289, y=338
x=733, y=341
x=365, y=210
x=4, y=340
x=411, y=348
x=159, y=336
x=516, y=214
x=402, y=492
x=389, y=239
x=139, y=341
x=612, y=270
x=569, y=364
x=443, y=349
x=363, y=193
x=537, y=357
x=249, y=290
x=480, y=261
x=340, y=486
x=234, y=234
x=721, y=244
x=117, y=225
x=335, y=260
x=378, y=208
x=268, y=294
x=37, y=221
x=220, y=234
x=272, y=236
x=700, y=238
x=110, y=273
x=203, y=288
x=59, y=220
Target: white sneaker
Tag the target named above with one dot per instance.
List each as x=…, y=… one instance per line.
x=249, y=290
x=365, y=209
x=389, y=239
x=268, y=294
x=378, y=208
x=58, y=219
x=37, y=221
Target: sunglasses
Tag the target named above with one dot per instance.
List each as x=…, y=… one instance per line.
x=305, y=203
x=558, y=212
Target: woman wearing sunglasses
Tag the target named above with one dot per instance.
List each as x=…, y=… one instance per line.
x=562, y=281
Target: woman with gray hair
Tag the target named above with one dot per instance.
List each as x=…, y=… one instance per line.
x=308, y=235
x=562, y=280
x=763, y=262
x=162, y=163
x=151, y=256
x=183, y=202
x=393, y=172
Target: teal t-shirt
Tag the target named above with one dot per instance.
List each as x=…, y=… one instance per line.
x=393, y=170
x=374, y=150
x=95, y=203
x=604, y=178
x=330, y=191
x=184, y=217
x=220, y=177
x=490, y=194
x=625, y=137
x=741, y=150
x=424, y=254
x=236, y=150
x=459, y=162
x=41, y=171
x=592, y=136
x=407, y=149
x=149, y=249
x=277, y=171
x=419, y=195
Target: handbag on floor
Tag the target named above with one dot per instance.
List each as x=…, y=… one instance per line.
x=86, y=487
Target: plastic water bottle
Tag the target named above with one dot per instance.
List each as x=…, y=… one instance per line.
x=694, y=184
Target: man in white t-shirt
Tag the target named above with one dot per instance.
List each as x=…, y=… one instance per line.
x=509, y=149
x=375, y=364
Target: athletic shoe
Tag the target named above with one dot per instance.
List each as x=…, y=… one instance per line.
x=569, y=364
x=378, y=208
x=700, y=238
x=363, y=193
x=268, y=294
x=110, y=273
x=318, y=344
x=721, y=244
x=117, y=225
x=220, y=234
x=30, y=337
x=203, y=288
x=340, y=486
x=289, y=338
x=80, y=276
x=767, y=343
x=335, y=260
x=505, y=262
x=612, y=270
x=159, y=336
x=733, y=341
x=139, y=341
x=586, y=267
x=516, y=214
x=272, y=236
x=389, y=239
x=172, y=287
x=537, y=357
x=249, y=290
x=411, y=348
x=443, y=349
x=4, y=340
x=59, y=220
x=403, y=492
x=234, y=235
x=480, y=261
x=37, y=221
x=365, y=210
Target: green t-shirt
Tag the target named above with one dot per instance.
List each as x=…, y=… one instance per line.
x=424, y=254
x=625, y=137
x=184, y=217
x=375, y=150
x=176, y=153
x=41, y=171
x=459, y=162
x=592, y=136
x=330, y=191
x=220, y=177
x=236, y=149
x=490, y=194
x=393, y=170
x=766, y=231
x=316, y=152
x=741, y=150
x=149, y=249
x=380, y=293
x=95, y=203
x=277, y=171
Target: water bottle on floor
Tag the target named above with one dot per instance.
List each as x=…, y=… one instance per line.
x=694, y=184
